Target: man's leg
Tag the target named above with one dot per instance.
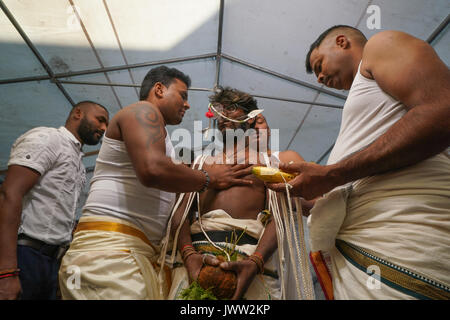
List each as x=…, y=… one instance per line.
x=31, y=272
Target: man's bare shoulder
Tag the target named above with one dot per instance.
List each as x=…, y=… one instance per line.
x=138, y=107
x=141, y=114
x=389, y=43
x=387, y=38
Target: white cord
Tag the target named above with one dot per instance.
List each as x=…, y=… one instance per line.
x=234, y=120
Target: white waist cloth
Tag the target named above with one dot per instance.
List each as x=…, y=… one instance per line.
x=262, y=287
x=403, y=215
x=109, y=265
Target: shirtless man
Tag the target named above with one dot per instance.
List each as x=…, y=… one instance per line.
x=235, y=208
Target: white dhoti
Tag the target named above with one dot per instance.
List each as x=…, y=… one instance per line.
x=388, y=235
x=109, y=259
x=264, y=287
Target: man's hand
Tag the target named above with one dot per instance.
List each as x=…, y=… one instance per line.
x=246, y=271
x=10, y=288
x=195, y=262
x=312, y=180
x=307, y=205
x=224, y=176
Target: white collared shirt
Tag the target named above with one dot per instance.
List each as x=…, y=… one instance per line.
x=49, y=208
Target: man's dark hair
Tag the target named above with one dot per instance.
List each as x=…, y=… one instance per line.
x=164, y=75
x=86, y=103
x=356, y=32
x=228, y=96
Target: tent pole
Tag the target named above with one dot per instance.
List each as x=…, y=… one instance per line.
x=219, y=44
x=34, y=50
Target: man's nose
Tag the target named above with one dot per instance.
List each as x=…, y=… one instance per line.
x=187, y=105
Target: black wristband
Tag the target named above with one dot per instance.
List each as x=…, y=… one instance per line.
x=205, y=186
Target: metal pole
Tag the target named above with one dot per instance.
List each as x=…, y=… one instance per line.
x=132, y=66
x=107, y=69
x=219, y=44
x=97, y=56
x=34, y=50
x=24, y=79
x=439, y=29
x=112, y=84
x=300, y=101
x=204, y=89
x=284, y=77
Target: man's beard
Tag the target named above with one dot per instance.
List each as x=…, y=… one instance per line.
x=87, y=132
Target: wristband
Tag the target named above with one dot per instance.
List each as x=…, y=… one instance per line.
x=9, y=273
x=187, y=246
x=205, y=186
x=258, y=260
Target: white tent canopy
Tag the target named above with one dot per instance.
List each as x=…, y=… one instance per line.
x=55, y=53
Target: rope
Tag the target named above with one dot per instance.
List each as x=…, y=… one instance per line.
x=165, y=241
x=306, y=273
x=294, y=257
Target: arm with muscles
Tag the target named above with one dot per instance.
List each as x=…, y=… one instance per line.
x=143, y=133
x=292, y=157
x=19, y=180
x=193, y=260
x=247, y=269
x=409, y=70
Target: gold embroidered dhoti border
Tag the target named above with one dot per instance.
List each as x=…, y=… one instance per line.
x=113, y=260
x=398, y=277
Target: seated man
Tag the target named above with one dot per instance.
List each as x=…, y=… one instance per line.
x=234, y=218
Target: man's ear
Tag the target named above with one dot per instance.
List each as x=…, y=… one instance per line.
x=159, y=89
x=342, y=41
x=77, y=113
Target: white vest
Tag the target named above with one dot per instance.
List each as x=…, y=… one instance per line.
x=116, y=191
x=368, y=113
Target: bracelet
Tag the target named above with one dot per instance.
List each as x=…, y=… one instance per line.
x=190, y=253
x=259, y=255
x=257, y=258
x=187, y=246
x=2, y=272
x=205, y=186
x=9, y=273
x=187, y=251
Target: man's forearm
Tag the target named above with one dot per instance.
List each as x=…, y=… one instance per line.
x=9, y=224
x=418, y=135
x=268, y=243
x=168, y=176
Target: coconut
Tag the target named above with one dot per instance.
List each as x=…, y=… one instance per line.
x=221, y=283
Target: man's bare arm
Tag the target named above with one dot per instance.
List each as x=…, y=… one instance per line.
x=142, y=130
x=409, y=70
x=19, y=180
x=193, y=262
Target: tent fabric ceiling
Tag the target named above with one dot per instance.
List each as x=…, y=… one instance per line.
x=57, y=52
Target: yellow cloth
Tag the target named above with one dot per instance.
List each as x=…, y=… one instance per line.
x=262, y=287
x=111, y=264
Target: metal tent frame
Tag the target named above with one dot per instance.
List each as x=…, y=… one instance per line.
x=59, y=78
